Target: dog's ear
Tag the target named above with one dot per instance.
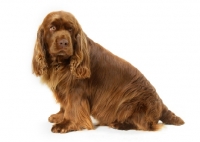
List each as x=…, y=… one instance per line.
x=80, y=61
x=39, y=63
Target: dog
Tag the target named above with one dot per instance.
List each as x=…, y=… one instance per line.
x=88, y=80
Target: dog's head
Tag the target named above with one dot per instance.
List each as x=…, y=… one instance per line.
x=61, y=38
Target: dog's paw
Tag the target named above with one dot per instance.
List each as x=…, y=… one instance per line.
x=58, y=128
x=63, y=127
x=56, y=118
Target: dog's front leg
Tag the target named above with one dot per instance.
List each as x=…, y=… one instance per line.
x=76, y=114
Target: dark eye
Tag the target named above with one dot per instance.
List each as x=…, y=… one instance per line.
x=52, y=28
x=70, y=30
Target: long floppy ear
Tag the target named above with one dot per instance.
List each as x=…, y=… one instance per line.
x=80, y=61
x=39, y=63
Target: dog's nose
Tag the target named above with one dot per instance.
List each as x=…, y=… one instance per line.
x=62, y=43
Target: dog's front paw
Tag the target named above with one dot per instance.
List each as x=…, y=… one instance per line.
x=64, y=127
x=56, y=118
x=58, y=128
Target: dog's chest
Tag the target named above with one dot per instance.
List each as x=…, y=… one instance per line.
x=58, y=78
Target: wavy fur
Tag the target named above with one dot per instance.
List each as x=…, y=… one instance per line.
x=86, y=79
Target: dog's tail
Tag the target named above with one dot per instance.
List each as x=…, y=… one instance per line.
x=169, y=117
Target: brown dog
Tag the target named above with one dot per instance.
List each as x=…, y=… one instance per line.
x=87, y=79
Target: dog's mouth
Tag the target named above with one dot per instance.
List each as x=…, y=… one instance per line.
x=61, y=53
x=56, y=52
x=61, y=58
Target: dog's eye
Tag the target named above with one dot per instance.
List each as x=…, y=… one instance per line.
x=52, y=28
x=70, y=30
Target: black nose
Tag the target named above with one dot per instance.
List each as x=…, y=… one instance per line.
x=62, y=43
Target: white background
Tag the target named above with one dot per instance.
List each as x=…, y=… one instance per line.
x=161, y=38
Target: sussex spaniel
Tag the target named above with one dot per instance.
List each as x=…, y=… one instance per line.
x=88, y=80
